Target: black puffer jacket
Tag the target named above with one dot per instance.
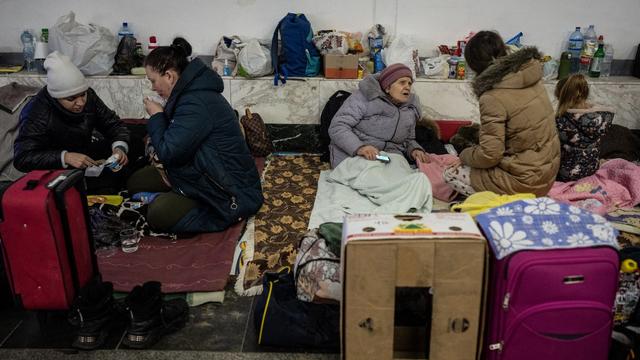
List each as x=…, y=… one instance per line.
x=47, y=128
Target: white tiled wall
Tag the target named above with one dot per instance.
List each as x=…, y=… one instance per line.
x=300, y=101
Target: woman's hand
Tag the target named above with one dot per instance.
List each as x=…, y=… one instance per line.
x=368, y=152
x=78, y=160
x=152, y=107
x=122, y=156
x=419, y=155
x=455, y=164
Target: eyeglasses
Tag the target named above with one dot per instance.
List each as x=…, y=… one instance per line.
x=74, y=97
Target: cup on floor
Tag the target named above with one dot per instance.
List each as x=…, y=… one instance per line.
x=129, y=239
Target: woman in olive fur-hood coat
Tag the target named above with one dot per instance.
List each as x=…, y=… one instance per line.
x=519, y=149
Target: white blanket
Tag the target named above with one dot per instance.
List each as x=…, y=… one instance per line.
x=358, y=185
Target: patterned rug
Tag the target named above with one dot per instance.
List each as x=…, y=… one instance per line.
x=289, y=187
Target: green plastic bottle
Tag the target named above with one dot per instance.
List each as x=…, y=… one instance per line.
x=598, y=57
x=565, y=65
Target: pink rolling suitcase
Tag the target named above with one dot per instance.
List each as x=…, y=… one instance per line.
x=549, y=299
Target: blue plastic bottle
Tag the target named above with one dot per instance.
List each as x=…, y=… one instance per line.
x=226, y=70
x=28, y=50
x=378, y=64
x=124, y=31
x=576, y=41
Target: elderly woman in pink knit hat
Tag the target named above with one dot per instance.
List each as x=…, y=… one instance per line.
x=380, y=116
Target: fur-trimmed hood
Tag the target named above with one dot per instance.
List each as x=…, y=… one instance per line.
x=516, y=70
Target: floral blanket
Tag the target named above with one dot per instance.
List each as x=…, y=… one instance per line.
x=543, y=223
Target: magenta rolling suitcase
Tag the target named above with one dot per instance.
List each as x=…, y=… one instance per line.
x=553, y=282
x=46, y=239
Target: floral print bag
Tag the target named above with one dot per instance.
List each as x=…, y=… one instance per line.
x=317, y=270
x=543, y=223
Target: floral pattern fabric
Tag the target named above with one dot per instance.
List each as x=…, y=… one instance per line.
x=580, y=137
x=317, y=270
x=289, y=189
x=543, y=223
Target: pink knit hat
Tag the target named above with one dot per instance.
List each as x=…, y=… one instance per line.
x=392, y=73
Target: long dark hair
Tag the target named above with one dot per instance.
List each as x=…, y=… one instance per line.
x=174, y=56
x=482, y=49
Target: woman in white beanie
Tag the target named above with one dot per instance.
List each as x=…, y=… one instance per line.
x=57, y=124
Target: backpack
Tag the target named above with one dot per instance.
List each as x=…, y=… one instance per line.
x=328, y=112
x=296, y=55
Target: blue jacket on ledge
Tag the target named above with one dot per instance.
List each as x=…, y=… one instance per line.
x=199, y=142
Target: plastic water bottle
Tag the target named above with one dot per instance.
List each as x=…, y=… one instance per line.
x=378, y=64
x=590, y=41
x=589, y=48
x=28, y=49
x=226, y=70
x=41, y=51
x=124, y=31
x=565, y=65
x=605, y=67
x=575, y=47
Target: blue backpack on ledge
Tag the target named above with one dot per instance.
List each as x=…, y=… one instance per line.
x=296, y=55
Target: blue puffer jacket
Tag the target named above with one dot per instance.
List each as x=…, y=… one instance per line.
x=198, y=140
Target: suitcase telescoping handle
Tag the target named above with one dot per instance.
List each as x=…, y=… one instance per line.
x=66, y=180
x=60, y=185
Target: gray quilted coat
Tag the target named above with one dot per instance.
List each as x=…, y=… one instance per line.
x=368, y=117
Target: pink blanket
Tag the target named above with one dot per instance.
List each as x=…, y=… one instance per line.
x=615, y=185
x=434, y=170
x=200, y=263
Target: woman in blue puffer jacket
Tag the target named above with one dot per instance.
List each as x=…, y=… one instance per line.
x=213, y=179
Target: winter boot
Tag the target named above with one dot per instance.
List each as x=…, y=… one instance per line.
x=151, y=316
x=94, y=312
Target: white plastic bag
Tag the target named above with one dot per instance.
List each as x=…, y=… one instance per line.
x=254, y=60
x=550, y=69
x=228, y=53
x=436, y=67
x=91, y=47
x=403, y=50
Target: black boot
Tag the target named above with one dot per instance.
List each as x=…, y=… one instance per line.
x=94, y=312
x=151, y=316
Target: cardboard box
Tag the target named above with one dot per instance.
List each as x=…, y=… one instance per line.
x=441, y=253
x=340, y=66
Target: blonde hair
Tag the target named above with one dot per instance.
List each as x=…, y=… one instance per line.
x=570, y=92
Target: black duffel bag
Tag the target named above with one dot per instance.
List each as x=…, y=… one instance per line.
x=283, y=320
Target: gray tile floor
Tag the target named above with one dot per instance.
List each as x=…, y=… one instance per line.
x=214, y=331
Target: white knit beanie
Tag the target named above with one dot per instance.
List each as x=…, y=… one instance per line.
x=63, y=77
